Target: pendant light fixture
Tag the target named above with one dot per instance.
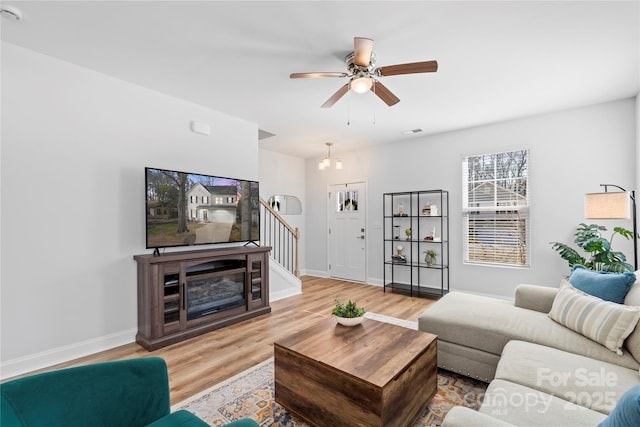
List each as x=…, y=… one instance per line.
x=326, y=162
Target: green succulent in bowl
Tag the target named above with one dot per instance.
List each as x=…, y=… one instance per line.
x=348, y=310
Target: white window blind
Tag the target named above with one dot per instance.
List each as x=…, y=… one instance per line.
x=496, y=208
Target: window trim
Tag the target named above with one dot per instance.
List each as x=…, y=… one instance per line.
x=469, y=211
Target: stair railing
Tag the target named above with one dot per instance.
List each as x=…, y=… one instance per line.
x=283, y=238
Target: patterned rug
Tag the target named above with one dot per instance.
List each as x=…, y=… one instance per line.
x=250, y=394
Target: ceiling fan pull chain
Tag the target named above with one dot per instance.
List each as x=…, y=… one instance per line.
x=374, y=113
x=374, y=102
x=349, y=109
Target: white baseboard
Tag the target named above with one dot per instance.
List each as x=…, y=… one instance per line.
x=33, y=362
x=325, y=274
x=286, y=293
x=316, y=273
x=374, y=281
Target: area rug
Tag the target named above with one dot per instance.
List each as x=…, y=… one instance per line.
x=250, y=394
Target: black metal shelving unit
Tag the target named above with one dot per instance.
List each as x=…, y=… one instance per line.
x=426, y=214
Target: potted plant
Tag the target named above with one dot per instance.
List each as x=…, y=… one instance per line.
x=601, y=256
x=430, y=257
x=347, y=314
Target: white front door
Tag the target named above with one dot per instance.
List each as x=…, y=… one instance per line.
x=347, y=231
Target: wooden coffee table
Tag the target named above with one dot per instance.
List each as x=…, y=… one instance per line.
x=373, y=374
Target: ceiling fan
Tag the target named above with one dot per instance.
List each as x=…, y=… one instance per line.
x=362, y=71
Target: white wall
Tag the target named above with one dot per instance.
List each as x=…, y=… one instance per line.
x=74, y=147
x=281, y=174
x=572, y=152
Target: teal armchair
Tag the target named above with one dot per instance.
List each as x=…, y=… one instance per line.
x=128, y=393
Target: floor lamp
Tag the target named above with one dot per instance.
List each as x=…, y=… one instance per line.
x=614, y=205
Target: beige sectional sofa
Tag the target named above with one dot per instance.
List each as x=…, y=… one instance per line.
x=541, y=373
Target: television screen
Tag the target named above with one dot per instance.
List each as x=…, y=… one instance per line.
x=184, y=209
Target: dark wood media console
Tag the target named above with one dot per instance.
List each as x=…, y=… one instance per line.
x=185, y=294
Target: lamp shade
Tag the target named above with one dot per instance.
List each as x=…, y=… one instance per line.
x=614, y=205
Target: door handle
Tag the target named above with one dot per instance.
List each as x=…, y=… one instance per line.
x=361, y=237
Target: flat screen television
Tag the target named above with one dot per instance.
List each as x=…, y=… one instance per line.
x=184, y=209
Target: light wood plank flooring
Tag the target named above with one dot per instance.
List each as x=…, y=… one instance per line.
x=198, y=363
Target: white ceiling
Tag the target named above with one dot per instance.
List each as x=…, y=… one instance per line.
x=497, y=60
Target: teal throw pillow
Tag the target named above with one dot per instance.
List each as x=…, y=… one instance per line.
x=626, y=412
x=607, y=286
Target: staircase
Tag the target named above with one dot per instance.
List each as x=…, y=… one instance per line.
x=284, y=270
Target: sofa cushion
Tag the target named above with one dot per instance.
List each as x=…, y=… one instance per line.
x=487, y=324
x=461, y=416
x=627, y=411
x=632, y=343
x=604, y=285
x=581, y=380
x=633, y=296
x=535, y=297
x=524, y=406
x=604, y=322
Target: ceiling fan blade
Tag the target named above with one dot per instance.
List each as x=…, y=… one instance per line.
x=317, y=74
x=362, y=48
x=384, y=93
x=336, y=96
x=411, y=68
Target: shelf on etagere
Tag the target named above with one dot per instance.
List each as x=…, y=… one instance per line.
x=416, y=241
x=418, y=290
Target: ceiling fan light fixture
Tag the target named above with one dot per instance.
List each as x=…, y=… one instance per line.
x=338, y=164
x=361, y=84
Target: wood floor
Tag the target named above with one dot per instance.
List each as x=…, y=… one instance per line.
x=198, y=363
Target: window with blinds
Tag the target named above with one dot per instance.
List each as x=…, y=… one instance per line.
x=495, y=208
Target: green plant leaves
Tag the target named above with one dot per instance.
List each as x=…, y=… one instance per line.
x=596, y=244
x=348, y=310
x=589, y=239
x=627, y=234
x=568, y=253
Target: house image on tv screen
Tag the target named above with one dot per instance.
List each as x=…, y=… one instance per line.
x=212, y=203
x=186, y=209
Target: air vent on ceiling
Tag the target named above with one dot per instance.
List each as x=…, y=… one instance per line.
x=412, y=131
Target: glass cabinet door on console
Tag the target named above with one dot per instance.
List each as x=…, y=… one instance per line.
x=256, y=274
x=171, y=298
